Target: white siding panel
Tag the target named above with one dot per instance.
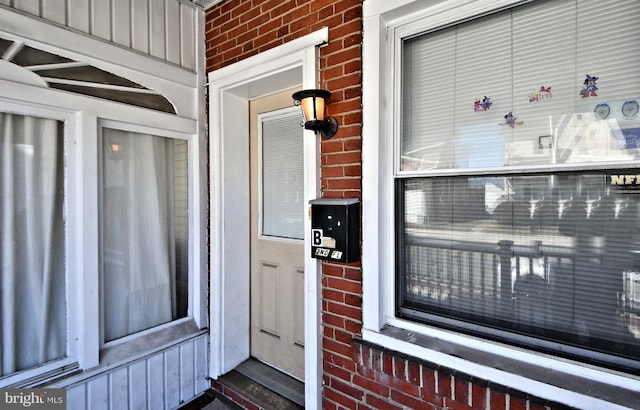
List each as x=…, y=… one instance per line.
x=173, y=32
x=140, y=26
x=156, y=387
x=157, y=29
x=76, y=397
x=79, y=16
x=101, y=19
x=119, y=388
x=172, y=378
x=187, y=372
x=121, y=17
x=29, y=6
x=188, y=29
x=138, y=386
x=201, y=360
x=163, y=380
x=162, y=28
x=98, y=393
x=55, y=10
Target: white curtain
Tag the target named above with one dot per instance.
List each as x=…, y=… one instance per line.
x=138, y=238
x=32, y=276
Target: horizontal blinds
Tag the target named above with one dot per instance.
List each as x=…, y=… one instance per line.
x=551, y=256
x=531, y=64
x=282, y=176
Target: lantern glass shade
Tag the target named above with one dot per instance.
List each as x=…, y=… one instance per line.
x=313, y=108
x=313, y=104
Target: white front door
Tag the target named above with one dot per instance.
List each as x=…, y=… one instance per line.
x=277, y=233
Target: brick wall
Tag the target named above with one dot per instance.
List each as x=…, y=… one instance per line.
x=356, y=375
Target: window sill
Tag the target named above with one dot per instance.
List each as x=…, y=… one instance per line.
x=547, y=377
x=139, y=345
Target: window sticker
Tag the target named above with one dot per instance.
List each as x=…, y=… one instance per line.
x=544, y=93
x=602, y=111
x=589, y=87
x=510, y=119
x=483, y=105
x=630, y=109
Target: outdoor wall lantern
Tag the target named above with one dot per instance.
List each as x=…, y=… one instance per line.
x=313, y=104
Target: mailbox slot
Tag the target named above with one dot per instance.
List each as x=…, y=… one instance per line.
x=335, y=229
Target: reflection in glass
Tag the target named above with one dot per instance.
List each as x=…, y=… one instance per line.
x=554, y=256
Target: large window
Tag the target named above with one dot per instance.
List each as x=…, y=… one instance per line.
x=32, y=242
x=513, y=127
x=145, y=227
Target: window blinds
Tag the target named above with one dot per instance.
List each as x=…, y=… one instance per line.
x=462, y=86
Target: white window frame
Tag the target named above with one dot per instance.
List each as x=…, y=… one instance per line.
x=193, y=290
x=69, y=362
x=384, y=24
x=83, y=116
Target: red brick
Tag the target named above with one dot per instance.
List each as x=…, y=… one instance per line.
x=353, y=300
x=335, y=347
x=517, y=403
x=377, y=361
x=348, y=389
x=353, y=327
x=372, y=386
x=405, y=387
x=353, y=274
x=428, y=390
x=352, y=144
x=330, y=294
x=343, y=337
x=455, y=405
x=336, y=371
x=338, y=397
x=340, y=361
x=413, y=373
x=444, y=384
x=461, y=389
x=387, y=363
x=381, y=404
x=497, y=400
x=399, y=366
x=332, y=320
x=536, y=406
x=328, y=331
x=411, y=402
x=344, y=285
x=343, y=184
x=478, y=395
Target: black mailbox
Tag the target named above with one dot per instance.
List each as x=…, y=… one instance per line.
x=335, y=229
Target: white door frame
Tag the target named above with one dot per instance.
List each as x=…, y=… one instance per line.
x=230, y=89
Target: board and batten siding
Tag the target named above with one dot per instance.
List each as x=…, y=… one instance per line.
x=164, y=380
x=165, y=29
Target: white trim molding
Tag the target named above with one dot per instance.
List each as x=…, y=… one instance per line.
x=230, y=89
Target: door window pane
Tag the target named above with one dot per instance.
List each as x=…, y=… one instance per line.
x=282, y=176
x=32, y=242
x=145, y=227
